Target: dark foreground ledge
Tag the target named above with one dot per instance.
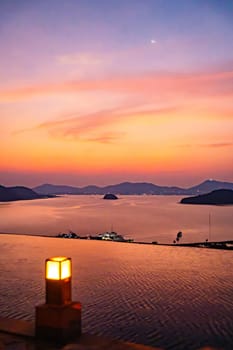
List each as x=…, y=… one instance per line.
x=19, y=335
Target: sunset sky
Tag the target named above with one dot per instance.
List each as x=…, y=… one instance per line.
x=105, y=91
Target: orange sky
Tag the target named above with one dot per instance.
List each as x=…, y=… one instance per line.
x=105, y=113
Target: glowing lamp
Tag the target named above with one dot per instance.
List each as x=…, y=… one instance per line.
x=58, y=280
x=58, y=268
x=59, y=319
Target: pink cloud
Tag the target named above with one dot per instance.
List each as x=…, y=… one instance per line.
x=83, y=59
x=209, y=145
x=201, y=84
x=219, y=145
x=89, y=127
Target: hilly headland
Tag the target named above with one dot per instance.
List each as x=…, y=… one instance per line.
x=217, y=197
x=8, y=194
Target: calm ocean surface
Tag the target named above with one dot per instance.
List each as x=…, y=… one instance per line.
x=170, y=297
x=145, y=218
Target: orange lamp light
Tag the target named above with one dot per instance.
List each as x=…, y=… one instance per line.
x=58, y=268
x=58, y=280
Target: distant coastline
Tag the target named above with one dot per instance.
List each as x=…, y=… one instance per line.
x=221, y=245
x=125, y=188
x=134, y=188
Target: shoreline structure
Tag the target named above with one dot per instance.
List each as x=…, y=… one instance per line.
x=20, y=334
x=225, y=245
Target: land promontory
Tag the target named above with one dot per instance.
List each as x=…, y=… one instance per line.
x=217, y=197
x=8, y=194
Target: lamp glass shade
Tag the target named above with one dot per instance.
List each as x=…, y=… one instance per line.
x=58, y=268
x=65, y=269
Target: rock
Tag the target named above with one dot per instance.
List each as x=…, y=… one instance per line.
x=110, y=196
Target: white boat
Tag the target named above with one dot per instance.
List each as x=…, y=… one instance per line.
x=111, y=236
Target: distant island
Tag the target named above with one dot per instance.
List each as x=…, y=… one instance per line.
x=8, y=194
x=134, y=188
x=110, y=196
x=217, y=197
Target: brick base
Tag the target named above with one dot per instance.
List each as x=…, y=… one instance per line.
x=58, y=323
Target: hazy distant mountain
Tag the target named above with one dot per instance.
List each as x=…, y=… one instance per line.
x=131, y=188
x=141, y=188
x=17, y=193
x=217, y=197
x=211, y=185
x=56, y=189
x=125, y=188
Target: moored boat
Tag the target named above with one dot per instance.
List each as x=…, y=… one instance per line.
x=110, y=236
x=70, y=234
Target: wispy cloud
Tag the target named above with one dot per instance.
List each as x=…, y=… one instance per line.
x=107, y=138
x=219, y=145
x=97, y=127
x=208, y=145
x=150, y=84
x=83, y=59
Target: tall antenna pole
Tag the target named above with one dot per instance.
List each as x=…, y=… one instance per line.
x=209, y=227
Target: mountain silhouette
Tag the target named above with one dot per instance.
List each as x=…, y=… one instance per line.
x=134, y=188
x=17, y=193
